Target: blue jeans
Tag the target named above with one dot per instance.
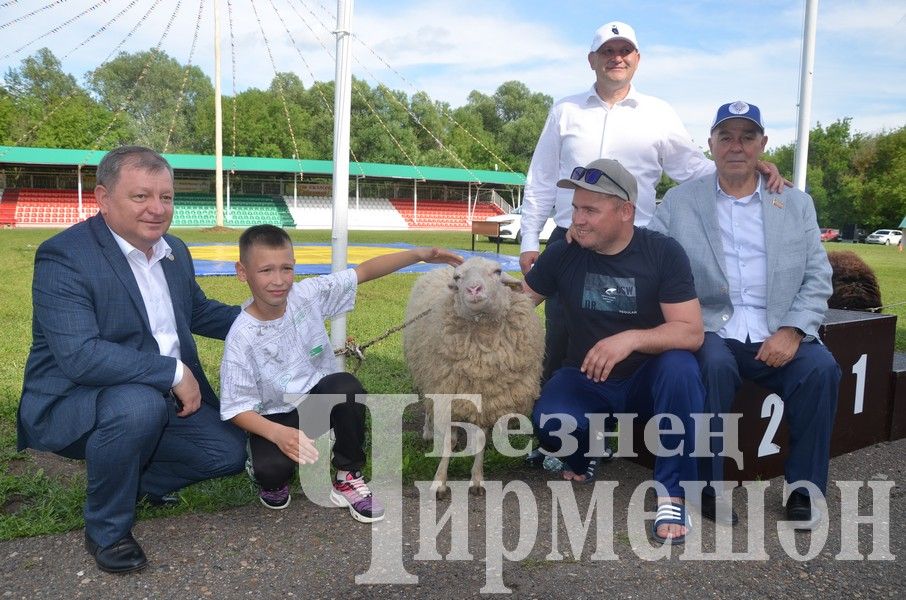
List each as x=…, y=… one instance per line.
x=666, y=383
x=808, y=385
x=139, y=446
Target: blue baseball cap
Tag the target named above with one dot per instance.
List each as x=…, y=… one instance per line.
x=738, y=110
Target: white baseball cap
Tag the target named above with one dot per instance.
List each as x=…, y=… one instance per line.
x=614, y=30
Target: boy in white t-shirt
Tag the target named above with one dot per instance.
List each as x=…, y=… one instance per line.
x=278, y=345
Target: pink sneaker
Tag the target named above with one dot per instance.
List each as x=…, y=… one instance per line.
x=275, y=499
x=354, y=493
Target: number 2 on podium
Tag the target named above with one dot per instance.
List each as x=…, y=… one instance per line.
x=773, y=407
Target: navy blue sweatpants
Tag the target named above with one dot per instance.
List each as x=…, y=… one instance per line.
x=667, y=383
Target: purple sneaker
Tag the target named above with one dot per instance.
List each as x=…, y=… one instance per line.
x=275, y=499
x=354, y=493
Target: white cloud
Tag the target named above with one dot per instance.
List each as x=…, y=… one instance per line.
x=859, y=18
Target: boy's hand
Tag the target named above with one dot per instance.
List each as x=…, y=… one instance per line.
x=295, y=444
x=439, y=255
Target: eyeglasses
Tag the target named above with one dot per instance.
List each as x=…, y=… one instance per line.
x=593, y=175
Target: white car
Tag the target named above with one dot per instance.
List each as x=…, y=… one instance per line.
x=885, y=236
x=510, y=226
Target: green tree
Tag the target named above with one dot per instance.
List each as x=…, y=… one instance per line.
x=881, y=162
x=830, y=179
x=40, y=105
x=380, y=130
x=317, y=130
x=514, y=116
x=41, y=78
x=146, y=90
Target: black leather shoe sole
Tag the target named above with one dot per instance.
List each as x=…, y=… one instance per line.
x=165, y=501
x=124, y=556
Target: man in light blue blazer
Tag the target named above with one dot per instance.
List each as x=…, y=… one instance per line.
x=113, y=376
x=763, y=280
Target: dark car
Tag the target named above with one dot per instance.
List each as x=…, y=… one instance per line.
x=853, y=233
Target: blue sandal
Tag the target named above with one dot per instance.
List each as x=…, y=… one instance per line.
x=589, y=471
x=671, y=513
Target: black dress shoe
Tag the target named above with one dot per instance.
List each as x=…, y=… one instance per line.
x=709, y=511
x=165, y=501
x=534, y=458
x=123, y=556
x=800, y=512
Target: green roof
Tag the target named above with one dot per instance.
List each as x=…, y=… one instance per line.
x=14, y=155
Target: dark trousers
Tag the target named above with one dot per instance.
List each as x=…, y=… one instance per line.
x=139, y=446
x=667, y=383
x=331, y=405
x=808, y=385
x=556, y=339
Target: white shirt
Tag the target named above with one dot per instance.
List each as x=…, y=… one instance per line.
x=152, y=284
x=263, y=360
x=741, y=222
x=642, y=132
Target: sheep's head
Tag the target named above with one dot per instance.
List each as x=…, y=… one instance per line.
x=479, y=288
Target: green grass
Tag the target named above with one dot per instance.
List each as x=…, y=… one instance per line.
x=890, y=268
x=33, y=502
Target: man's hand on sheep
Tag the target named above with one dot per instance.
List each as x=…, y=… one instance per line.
x=527, y=260
x=605, y=355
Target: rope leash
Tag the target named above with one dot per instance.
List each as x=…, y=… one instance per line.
x=874, y=309
x=353, y=350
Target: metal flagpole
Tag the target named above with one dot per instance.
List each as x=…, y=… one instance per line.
x=342, y=107
x=805, y=93
x=218, y=123
x=79, y=175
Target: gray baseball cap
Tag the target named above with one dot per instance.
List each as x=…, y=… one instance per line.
x=604, y=176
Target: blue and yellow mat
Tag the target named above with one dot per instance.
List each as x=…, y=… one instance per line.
x=314, y=259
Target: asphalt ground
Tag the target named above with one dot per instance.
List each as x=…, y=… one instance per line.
x=310, y=551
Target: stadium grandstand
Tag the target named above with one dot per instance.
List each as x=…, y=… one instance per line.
x=49, y=187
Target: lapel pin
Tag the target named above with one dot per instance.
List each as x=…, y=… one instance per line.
x=170, y=257
x=776, y=202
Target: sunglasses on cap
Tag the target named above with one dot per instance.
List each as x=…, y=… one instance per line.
x=592, y=176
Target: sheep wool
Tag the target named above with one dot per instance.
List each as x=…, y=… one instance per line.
x=480, y=337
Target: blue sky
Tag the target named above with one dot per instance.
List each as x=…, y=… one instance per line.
x=695, y=54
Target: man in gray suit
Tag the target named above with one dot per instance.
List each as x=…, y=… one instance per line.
x=763, y=280
x=113, y=376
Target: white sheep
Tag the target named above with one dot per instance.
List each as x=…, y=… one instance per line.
x=480, y=337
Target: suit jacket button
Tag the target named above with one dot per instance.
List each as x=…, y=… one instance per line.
x=723, y=290
x=724, y=317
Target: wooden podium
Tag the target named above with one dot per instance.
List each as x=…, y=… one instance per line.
x=898, y=398
x=862, y=343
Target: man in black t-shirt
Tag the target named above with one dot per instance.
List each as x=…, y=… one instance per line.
x=633, y=320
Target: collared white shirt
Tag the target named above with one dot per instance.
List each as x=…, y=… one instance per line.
x=741, y=222
x=264, y=360
x=642, y=132
x=152, y=283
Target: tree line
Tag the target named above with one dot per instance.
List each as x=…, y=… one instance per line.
x=150, y=98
